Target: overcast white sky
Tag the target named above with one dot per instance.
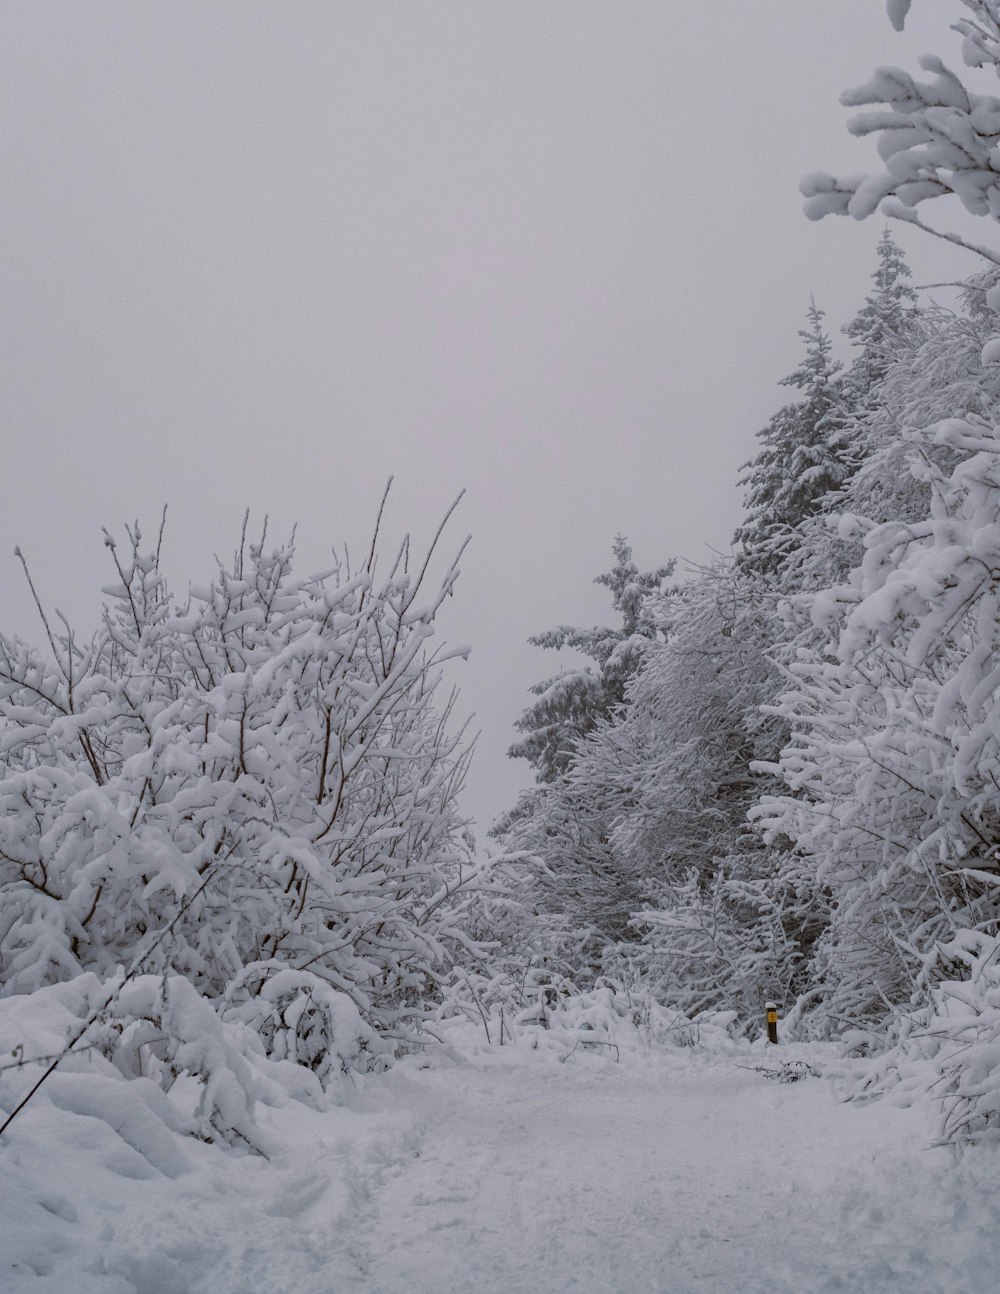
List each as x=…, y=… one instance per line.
x=266, y=254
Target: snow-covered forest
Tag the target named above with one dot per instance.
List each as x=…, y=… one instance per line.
x=779, y=777
x=243, y=916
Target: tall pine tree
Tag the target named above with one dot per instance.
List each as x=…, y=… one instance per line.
x=571, y=704
x=564, y=822
x=804, y=455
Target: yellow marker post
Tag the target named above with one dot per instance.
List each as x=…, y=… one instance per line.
x=772, y=1021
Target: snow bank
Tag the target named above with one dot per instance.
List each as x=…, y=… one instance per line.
x=166, y=1153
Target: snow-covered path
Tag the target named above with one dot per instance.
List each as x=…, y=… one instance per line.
x=508, y=1172
x=670, y=1178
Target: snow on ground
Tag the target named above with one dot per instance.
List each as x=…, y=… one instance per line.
x=512, y=1170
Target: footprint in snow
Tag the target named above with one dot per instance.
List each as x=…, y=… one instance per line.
x=298, y=1196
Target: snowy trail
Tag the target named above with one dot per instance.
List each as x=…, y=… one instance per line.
x=674, y=1172
x=668, y=1178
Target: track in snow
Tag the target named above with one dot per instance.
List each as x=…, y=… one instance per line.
x=665, y=1178
x=508, y=1172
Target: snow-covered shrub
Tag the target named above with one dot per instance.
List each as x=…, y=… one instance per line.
x=159, y=1027
x=187, y=1071
x=254, y=789
x=723, y=942
x=502, y=996
x=299, y=1017
x=964, y=1026
x=617, y=1017
x=547, y=1011
x=949, y=1043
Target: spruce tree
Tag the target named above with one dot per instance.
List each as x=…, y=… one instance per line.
x=564, y=823
x=804, y=455
x=571, y=704
x=881, y=323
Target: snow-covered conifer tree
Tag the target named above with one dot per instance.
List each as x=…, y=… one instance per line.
x=726, y=923
x=936, y=138
x=882, y=322
x=573, y=702
x=894, y=756
x=805, y=454
x=887, y=333
x=564, y=821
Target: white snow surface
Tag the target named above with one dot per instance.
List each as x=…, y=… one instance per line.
x=516, y=1170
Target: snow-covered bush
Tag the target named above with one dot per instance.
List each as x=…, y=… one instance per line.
x=299, y=1017
x=253, y=788
x=186, y=1071
x=543, y=1010
x=962, y=1029
x=949, y=1043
